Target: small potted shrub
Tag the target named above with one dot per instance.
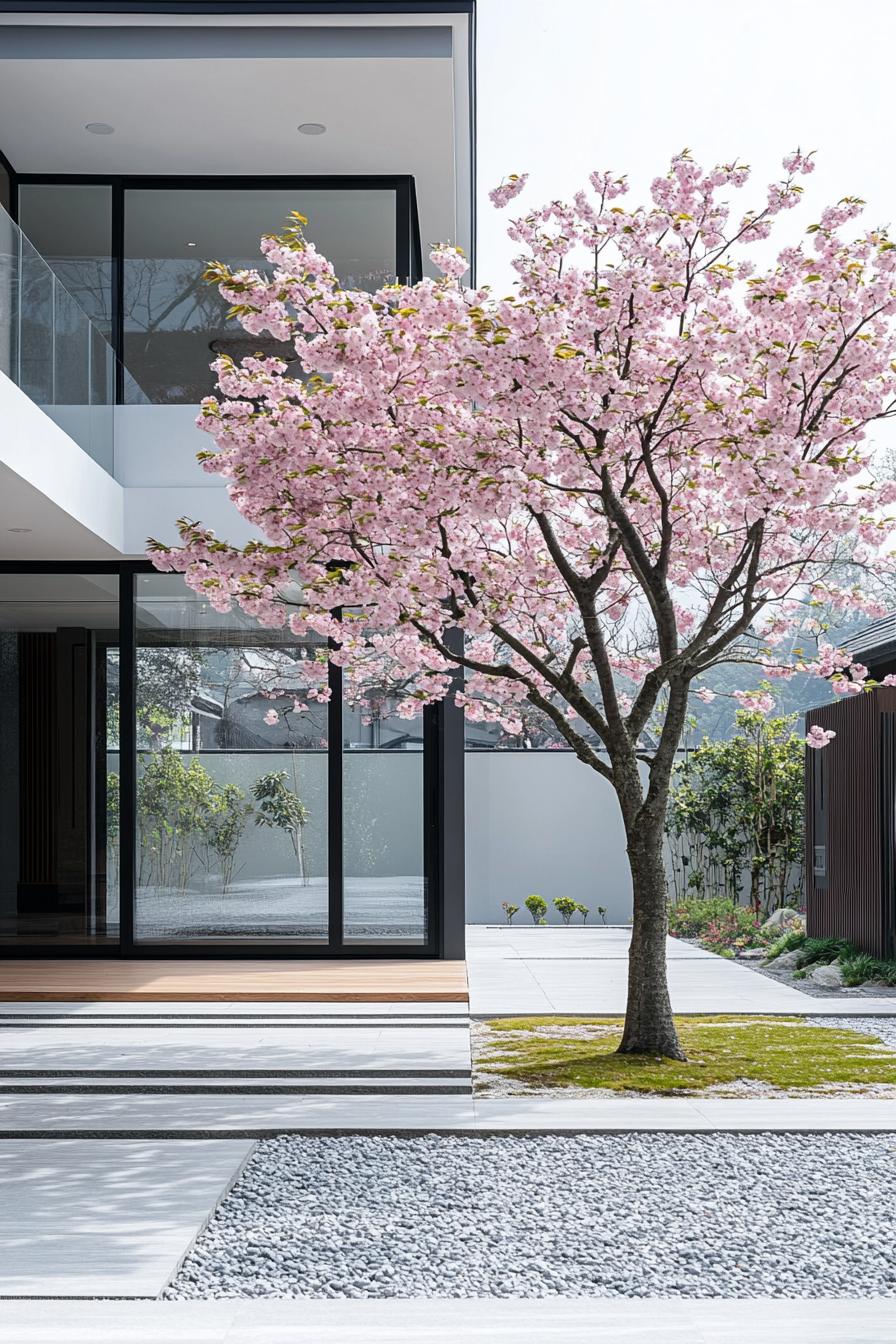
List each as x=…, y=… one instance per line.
x=566, y=907
x=537, y=907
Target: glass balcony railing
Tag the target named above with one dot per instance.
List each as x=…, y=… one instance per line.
x=53, y=352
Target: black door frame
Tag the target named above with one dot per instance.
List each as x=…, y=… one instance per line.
x=443, y=814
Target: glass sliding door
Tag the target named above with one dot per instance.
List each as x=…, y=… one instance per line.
x=231, y=817
x=168, y=788
x=58, y=790
x=383, y=824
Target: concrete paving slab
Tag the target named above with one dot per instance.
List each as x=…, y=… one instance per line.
x=450, y=1321
x=111, y=1219
x=156, y=1047
x=575, y=970
x=43, y=1116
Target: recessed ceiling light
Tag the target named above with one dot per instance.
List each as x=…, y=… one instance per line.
x=191, y=244
x=99, y=128
x=312, y=128
x=18, y=529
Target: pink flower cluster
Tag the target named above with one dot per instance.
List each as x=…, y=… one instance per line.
x=651, y=453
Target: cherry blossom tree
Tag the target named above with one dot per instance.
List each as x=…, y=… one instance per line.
x=650, y=459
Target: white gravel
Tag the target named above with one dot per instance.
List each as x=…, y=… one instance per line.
x=653, y=1215
x=882, y=1027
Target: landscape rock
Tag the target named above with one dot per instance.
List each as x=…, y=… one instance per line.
x=786, y=962
x=785, y=921
x=829, y=976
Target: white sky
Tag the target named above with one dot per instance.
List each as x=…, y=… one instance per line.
x=567, y=86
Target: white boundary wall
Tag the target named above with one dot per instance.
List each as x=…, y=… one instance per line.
x=542, y=822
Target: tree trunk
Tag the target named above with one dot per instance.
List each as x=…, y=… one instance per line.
x=649, y=1026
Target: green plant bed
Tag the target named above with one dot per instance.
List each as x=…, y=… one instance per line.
x=780, y=1052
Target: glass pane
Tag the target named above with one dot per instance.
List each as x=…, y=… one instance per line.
x=70, y=225
x=385, y=888
x=232, y=780
x=175, y=323
x=50, y=348
x=56, y=633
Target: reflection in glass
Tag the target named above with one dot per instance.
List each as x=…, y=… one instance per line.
x=231, y=778
x=382, y=765
x=50, y=349
x=70, y=225
x=175, y=323
x=57, y=632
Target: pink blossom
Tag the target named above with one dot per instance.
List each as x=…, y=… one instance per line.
x=758, y=702
x=272, y=717
x=457, y=463
x=819, y=737
x=450, y=261
x=509, y=188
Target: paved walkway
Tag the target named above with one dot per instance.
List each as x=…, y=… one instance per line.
x=192, y=1115
x=520, y=970
x=122, y=1123
x=552, y=1320
x=111, y=1219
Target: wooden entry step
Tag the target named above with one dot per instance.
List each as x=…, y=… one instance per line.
x=236, y=981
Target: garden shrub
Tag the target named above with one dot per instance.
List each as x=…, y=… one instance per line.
x=735, y=819
x=566, y=907
x=736, y=931
x=856, y=970
x=788, y=942
x=583, y=911
x=689, y=918
x=509, y=910
x=822, y=951
x=537, y=908
x=886, y=971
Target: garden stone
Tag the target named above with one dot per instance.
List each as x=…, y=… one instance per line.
x=785, y=920
x=786, y=962
x=831, y=977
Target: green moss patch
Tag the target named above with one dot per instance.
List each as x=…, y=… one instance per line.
x=782, y=1053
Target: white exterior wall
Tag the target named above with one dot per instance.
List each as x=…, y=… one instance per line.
x=155, y=461
x=542, y=822
x=49, y=484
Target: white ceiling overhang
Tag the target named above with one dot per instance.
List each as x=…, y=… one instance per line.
x=198, y=95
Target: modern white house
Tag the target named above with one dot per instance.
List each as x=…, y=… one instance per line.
x=146, y=807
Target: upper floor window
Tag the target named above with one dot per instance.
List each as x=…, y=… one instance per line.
x=175, y=323
x=141, y=283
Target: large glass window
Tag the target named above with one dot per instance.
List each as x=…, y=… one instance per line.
x=231, y=778
x=70, y=225
x=382, y=790
x=175, y=323
x=58, y=792
x=183, y=790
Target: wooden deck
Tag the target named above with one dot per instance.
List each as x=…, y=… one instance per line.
x=236, y=981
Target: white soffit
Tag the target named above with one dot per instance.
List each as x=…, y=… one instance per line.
x=224, y=94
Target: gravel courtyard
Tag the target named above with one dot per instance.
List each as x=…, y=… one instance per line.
x=649, y=1215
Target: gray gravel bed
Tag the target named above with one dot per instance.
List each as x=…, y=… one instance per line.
x=882, y=1027
x=652, y=1215
x=812, y=990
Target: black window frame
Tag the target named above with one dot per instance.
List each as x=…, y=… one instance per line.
x=443, y=815
x=408, y=252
